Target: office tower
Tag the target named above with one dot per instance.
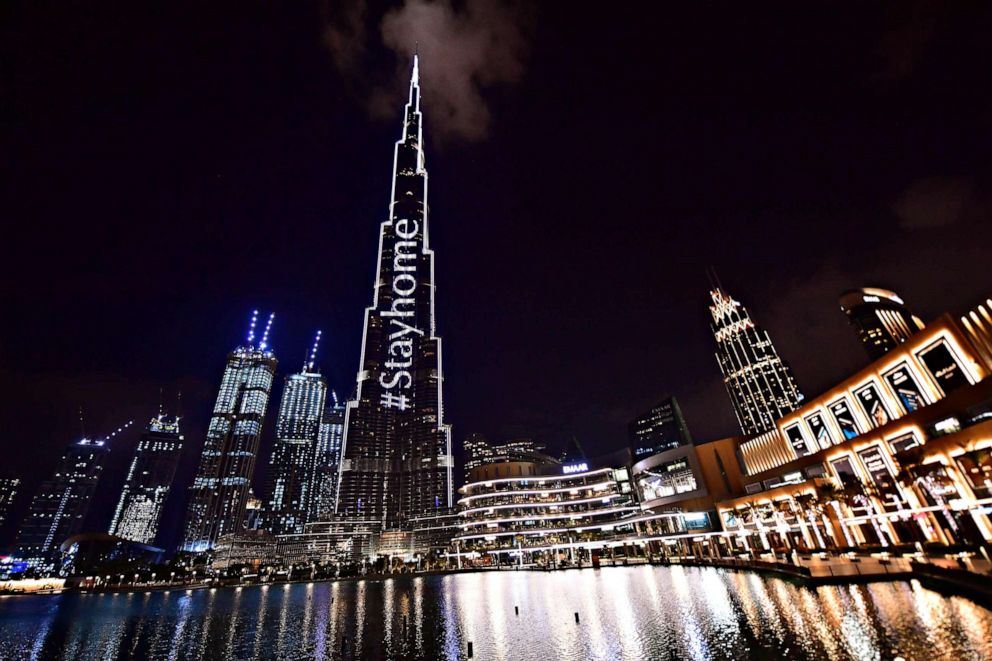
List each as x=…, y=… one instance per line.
x=880, y=319
x=478, y=451
x=9, y=487
x=662, y=428
x=58, y=509
x=289, y=493
x=148, y=481
x=759, y=382
x=396, y=453
x=220, y=489
x=327, y=459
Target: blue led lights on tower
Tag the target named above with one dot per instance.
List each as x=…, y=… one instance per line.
x=290, y=492
x=148, y=482
x=396, y=455
x=58, y=509
x=220, y=489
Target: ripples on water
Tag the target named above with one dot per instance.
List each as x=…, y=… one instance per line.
x=625, y=613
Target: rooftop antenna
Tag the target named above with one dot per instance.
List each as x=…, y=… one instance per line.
x=265, y=336
x=308, y=366
x=251, y=326
x=179, y=404
x=82, y=424
x=161, y=403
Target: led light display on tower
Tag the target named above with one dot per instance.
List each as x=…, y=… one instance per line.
x=220, y=489
x=327, y=459
x=290, y=492
x=396, y=454
x=759, y=382
x=148, y=481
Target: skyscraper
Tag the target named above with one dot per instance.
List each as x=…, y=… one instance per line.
x=289, y=493
x=9, y=487
x=58, y=510
x=220, y=489
x=396, y=454
x=662, y=428
x=759, y=382
x=148, y=481
x=327, y=459
x=880, y=319
x=479, y=452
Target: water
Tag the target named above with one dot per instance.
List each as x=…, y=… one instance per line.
x=625, y=613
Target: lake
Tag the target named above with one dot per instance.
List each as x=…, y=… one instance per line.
x=624, y=613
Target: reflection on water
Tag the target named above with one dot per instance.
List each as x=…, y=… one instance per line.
x=624, y=613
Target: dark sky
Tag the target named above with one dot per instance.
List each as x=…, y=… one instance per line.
x=166, y=170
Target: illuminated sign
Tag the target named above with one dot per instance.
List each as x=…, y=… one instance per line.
x=796, y=440
x=904, y=385
x=871, y=403
x=942, y=366
x=574, y=468
x=396, y=374
x=844, y=418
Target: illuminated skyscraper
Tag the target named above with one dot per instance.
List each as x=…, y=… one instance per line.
x=58, y=510
x=396, y=454
x=148, y=481
x=662, y=428
x=290, y=492
x=9, y=487
x=759, y=383
x=327, y=460
x=880, y=319
x=220, y=489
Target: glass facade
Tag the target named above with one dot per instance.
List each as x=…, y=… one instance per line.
x=148, y=482
x=219, y=494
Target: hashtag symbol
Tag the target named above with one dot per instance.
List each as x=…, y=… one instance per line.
x=389, y=400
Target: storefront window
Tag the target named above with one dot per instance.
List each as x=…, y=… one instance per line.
x=667, y=479
x=844, y=418
x=940, y=363
x=795, y=436
x=906, y=389
x=819, y=430
x=903, y=442
x=872, y=405
x=977, y=469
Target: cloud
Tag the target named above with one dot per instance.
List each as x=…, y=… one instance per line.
x=933, y=203
x=463, y=47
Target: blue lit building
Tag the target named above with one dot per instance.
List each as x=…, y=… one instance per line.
x=219, y=494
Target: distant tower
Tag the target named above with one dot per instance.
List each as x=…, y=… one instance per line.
x=289, y=493
x=760, y=384
x=9, y=488
x=58, y=509
x=880, y=319
x=662, y=428
x=148, y=481
x=220, y=489
x=327, y=459
x=396, y=460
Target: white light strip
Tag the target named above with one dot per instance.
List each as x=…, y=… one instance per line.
x=570, y=476
x=533, y=492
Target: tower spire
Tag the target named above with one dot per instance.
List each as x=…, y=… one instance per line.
x=265, y=336
x=415, y=78
x=312, y=358
x=251, y=326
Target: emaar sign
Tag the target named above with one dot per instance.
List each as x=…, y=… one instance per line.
x=574, y=468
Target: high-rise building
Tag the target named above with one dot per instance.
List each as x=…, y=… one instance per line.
x=479, y=452
x=289, y=493
x=759, y=382
x=220, y=489
x=148, y=481
x=9, y=487
x=327, y=459
x=58, y=510
x=396, y=453
x=662, y=428
x=880, y=319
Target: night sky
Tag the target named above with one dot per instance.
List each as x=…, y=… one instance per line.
x=166, y=170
